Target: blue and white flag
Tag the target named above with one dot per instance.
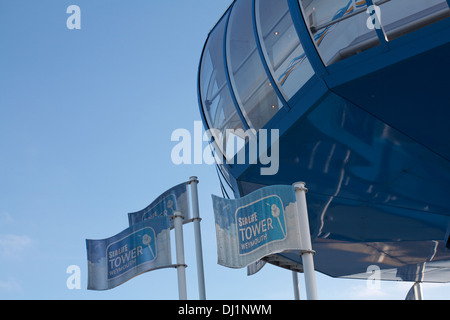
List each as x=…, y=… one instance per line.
x=142, y=247
x=174, y=199
x=262, y=223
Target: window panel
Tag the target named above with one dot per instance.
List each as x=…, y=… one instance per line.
x=254, y=92
x=281, y=46
x=217, y=102
x=339, y=27
x=400, y=17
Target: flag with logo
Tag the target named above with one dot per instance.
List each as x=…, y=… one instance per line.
x=174, y=199
x=254, y=226
x=142, y=247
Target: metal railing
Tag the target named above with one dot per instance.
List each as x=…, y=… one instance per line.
x=314, y=29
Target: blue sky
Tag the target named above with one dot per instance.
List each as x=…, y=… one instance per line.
x=86, y=118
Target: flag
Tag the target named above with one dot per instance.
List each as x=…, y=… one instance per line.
x=174, y=199
x=142, y=247
x=255, y=267
x=262, y=223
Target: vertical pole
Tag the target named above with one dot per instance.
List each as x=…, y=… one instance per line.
x=415, y=293
x=305, y=237
x=198, y=238
x=418, y=294
x=295, y=283
x=179, y=246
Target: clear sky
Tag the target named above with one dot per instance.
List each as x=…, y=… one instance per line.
x=86, y=118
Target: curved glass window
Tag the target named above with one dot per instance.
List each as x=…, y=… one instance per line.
x=220, y=111
x=339, y=27
x=342, y=28
x=254, y=92
x=281, y=46
x=400, y=17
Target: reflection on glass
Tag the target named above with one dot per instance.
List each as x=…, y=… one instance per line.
x=400, y=17
x=338, y=27
x=218, y=106
x=281, y=46
x=253, y=90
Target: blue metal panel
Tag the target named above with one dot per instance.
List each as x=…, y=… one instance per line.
x=366, y=201
x=410, y=94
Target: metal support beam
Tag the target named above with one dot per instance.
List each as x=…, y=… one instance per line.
x=179, y=246
x=305, y=236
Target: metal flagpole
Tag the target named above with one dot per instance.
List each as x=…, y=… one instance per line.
x=305, y=237
x=198, y=238
x=179, y=245
x=295, y=283
x=418, y=291
x=415, y=293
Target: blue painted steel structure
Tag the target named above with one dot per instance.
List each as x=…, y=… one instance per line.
x=363, y=117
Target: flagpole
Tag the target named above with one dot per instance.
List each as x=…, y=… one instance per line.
x=179, y=247
x=295, y=283
x=305, y=237
x=418, y=290
x=198, y=238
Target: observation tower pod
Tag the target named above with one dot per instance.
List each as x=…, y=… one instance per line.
x=352, y=97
